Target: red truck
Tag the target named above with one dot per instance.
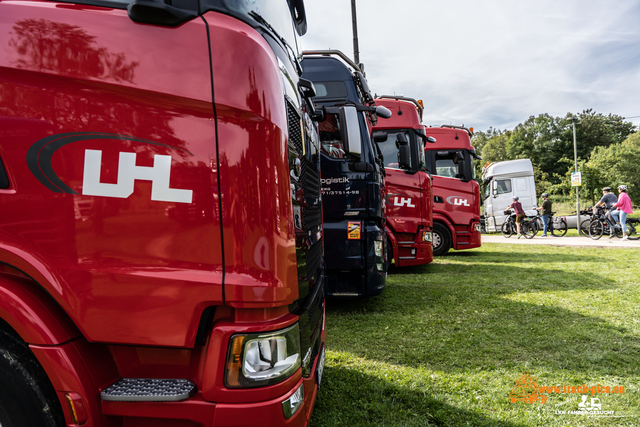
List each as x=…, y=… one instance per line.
x=456, y=193
x=160, y=231
x=409, y=200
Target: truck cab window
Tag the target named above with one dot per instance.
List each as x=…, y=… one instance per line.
x=330, y=137
x=504, y=186
x=330, y=90
x=390, y=150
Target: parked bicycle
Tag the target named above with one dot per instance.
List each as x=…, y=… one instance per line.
x=600, y=225
x=528, y=227
x=587, y=214
x=557, y=226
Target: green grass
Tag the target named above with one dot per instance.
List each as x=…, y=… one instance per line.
x=445, y=343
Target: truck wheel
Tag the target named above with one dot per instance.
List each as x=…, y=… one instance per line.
x=27, y=398
x=441, y=239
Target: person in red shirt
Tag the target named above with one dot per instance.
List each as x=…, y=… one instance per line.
x=517, y=207
x=624, y=208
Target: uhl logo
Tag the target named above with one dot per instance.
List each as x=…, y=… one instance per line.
x=457, y=201
x=159, y=175
x=403, y=201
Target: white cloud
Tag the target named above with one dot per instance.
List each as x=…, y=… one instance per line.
x=492, y=63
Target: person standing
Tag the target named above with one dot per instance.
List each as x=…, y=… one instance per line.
x=517, y=207
x=623, y=206
x=545, y=211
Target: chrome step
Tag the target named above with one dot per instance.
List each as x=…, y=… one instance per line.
x=149, y=390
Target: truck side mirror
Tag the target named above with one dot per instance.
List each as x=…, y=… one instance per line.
x=380, y=136
x=383, y=112
x=459, y=161
x=404, y=152
x=350, y=130
x=431, y=139
x=307, y=88
x=308, y=91
x=494, y=187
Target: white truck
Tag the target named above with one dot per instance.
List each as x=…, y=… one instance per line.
x=503, y=181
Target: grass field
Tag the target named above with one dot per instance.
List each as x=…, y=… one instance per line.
x=445, y=343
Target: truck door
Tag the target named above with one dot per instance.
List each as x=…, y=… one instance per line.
x=124, y=190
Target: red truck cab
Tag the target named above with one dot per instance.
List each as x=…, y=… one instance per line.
x=456, y=193
x=408, y=196
x=160, y=231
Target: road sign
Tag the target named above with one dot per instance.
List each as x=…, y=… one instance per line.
x=576, y=179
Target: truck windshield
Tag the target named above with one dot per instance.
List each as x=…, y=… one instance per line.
x=445, y=165
x=487, y=190
x=330, y=137
x=276, y=14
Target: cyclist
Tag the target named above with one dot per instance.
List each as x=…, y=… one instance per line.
x=607, y=200
x=545, y=211
x=517, y=207
x=624, y=208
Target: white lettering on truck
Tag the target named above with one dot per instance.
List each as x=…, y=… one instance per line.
x=159, y=175
x=403, y=201
x=335, y=180
x=457, y=201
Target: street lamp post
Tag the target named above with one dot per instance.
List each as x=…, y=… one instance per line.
x=354, y=24
x=575, y=160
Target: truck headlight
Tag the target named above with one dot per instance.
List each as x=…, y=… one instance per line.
x=378, y=248
x=256, y=360
x=427, y=236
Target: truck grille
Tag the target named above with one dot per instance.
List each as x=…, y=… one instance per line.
x=314, y=259
x=310, y=179
x=312, y=219
x=309, y=246
x=295, y=132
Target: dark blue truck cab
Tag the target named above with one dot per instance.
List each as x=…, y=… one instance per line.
x=352, y=176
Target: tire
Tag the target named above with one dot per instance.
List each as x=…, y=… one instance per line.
x=633, y=232
x=507, y=229
x=618, y=231
x=560, y=228
x=441, y=240
x=529, y=229
x=584, y=227
x=27, y=397
x=539, y=223
x=596, y=228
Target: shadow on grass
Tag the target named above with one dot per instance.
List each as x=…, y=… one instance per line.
x=350, y=397
x=463, y=318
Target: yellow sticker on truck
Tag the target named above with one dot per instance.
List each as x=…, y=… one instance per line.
x=354, y=230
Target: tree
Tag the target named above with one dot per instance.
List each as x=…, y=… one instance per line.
x=618, y=164
x=548, y=141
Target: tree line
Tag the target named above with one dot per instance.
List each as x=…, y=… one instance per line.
x=608, y=152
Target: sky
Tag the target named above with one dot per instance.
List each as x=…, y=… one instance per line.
x=491, y=63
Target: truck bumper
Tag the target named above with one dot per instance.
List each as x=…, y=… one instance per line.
x=468, y=237
x=355, y=267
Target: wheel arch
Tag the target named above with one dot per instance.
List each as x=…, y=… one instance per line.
x=32, y=313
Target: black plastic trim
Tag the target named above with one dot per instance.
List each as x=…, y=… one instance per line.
x=4, y=179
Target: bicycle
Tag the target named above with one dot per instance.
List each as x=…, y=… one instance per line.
x=584, y=224
x=528, y=227
x=557, y=226
x=600, y=225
